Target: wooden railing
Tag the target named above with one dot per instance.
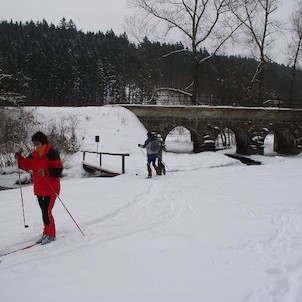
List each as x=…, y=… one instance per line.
x=123, y=155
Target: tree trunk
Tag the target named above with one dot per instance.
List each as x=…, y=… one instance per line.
x=195, y=76
x=292, y=81
x=260, y=81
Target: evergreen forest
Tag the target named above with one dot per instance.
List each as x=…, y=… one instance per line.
x=52, y=65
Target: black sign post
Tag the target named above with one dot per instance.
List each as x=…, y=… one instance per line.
x=97, y=139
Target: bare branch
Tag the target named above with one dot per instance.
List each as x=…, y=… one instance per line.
x=174, y=52
x=198, y=20
x=220, y=44
x=259, y=27
x=295, y=46
x=9, y=97
x=3, y=76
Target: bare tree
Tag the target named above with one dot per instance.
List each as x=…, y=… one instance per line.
x=295, y=45
x=201, y=22
x=259, y=28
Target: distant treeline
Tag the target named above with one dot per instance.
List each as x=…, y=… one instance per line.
x=61, y=66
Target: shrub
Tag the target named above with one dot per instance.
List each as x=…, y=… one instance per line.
x=19, y=125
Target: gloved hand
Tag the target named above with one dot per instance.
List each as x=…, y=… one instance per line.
x=18, y=155
x=43, y=173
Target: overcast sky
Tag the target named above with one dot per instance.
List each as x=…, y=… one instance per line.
x=88, y=15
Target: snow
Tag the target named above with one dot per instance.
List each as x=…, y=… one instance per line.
x=212, y=229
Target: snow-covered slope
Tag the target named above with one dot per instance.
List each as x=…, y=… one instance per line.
x=210, y=230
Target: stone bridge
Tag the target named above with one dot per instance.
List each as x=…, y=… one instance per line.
x=250, y=125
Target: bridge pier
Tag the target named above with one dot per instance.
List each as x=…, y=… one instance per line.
x=285, y=142
x=243, y=141
x=248, y=142
x=197, y=142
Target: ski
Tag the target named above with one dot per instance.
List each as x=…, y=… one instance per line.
x=23, y=248
x=152, y=177
x=19, y=249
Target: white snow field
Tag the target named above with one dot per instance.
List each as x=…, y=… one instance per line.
x=211, y=230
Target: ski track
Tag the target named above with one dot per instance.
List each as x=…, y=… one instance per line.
x=284, y=248
x=153, y=208
x=158, y=203
x=281, y=251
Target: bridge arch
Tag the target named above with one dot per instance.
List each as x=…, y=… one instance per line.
x=195, y=136
x=225, y=139
x=179, y=139
x=250, y=125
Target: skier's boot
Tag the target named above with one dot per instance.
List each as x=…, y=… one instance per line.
x=48, y=239
x=156, y=169
x=41, y=239
x=149, y=171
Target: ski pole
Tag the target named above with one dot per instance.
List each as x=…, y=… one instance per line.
x=22, y=200
x=143, y=153
x=64, y=207
x=169, y=170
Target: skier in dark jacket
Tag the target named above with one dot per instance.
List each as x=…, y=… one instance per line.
x=152, y=147
x=46, y=167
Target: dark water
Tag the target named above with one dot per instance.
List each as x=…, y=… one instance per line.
x=245, y=160
x=4, y=188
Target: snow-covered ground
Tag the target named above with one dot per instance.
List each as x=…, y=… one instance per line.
x=210, y=230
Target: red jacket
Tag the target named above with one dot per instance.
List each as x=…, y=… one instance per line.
x=49, y=160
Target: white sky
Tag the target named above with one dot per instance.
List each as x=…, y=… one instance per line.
x=88, y=15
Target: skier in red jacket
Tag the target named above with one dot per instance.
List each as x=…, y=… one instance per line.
x=46, y=167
